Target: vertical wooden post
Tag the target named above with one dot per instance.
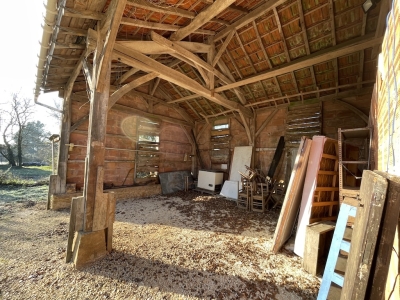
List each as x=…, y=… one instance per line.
x=96, y=148
x=63, y=148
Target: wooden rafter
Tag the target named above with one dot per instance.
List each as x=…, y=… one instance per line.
x=305, y=36
x=345, y=48
x=202, y=18
x=248, y=18
x=278, y=23
x=197, y=61
x=223, y=48
x=333, y=30
x=245, y=53
x=261, y=45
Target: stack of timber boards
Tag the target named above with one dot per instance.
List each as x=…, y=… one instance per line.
x=294, y=191
x=320, y=200
x=302, y=122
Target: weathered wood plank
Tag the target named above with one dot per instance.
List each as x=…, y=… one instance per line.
x=365, y=232
x=386, y=237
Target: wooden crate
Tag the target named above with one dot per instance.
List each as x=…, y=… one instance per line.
x=317, y=244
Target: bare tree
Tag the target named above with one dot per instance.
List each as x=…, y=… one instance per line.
x=16, y=117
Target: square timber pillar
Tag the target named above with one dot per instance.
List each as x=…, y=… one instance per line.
x=92, y=215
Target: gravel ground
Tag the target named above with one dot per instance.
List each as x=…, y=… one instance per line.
x=184, y=246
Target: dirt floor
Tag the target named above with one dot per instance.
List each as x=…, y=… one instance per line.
x=184, y=246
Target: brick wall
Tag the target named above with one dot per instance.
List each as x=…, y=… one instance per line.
x=386, y=114
x=121, y=143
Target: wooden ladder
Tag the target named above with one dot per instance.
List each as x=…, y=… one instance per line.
x=347, y=209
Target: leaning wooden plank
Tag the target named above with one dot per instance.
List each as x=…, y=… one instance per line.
x=365, y=232
x=75, y=224
x=386, y=238
x=310, y=183
x=292, y=199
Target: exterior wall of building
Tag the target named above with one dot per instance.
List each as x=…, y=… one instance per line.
x=386, y=114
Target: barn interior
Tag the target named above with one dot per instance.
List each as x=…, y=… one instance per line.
x=164, y=94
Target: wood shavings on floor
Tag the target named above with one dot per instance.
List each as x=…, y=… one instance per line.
x=181, y=246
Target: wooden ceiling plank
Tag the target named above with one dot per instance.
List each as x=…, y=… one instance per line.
x=223, y=48
x=327, y=54
x=202, y=18
x=173, y=10
x=251, y=16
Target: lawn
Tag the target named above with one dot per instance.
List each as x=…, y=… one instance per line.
x=24, y=184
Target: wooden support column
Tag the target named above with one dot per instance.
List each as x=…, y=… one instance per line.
x=92, y=239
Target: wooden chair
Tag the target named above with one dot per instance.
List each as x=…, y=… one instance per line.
x=277, y=194
x=245, y=193
x=259, y=197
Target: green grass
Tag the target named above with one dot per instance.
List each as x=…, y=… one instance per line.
x=24, y=176
x=24, y=184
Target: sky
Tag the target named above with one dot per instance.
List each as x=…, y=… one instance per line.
x=21, y=31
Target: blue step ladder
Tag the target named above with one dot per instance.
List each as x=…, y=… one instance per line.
x=347, y=209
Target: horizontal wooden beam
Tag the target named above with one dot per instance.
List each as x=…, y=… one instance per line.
x=175, y=11
x=83, y=14
x=72, y=31
x=342, y=49
x=69, y=46
x=159, y=26
x=151, y=47
x=185, y=98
